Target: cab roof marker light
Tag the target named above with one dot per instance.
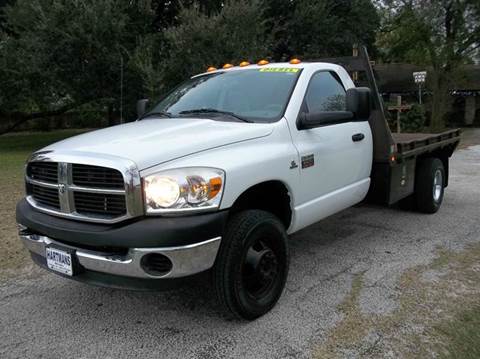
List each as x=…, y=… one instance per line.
x=244, y=63
x=227, y=66
x=211, y=69
x=295, y=61
x=262, y=62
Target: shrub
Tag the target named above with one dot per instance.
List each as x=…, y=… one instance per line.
x=413, y=120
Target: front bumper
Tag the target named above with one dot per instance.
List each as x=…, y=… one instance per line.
x=186, y=260
x=117, y=253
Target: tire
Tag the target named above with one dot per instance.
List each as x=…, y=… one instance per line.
x=252, y=264
x=429, y=185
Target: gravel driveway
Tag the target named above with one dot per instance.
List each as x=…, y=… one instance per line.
x=45, y=316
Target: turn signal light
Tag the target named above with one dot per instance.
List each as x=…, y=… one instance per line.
x=215, y=186
x=262, y=62
x=244, y=63
x=295, y=61
x=227, y=66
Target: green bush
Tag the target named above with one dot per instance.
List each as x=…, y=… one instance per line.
x=413, y=120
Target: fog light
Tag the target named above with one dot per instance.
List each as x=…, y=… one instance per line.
x=156, y=264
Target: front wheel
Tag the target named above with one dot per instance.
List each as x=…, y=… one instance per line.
x=252, y=264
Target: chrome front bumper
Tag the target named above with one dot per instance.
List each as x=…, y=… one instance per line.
x=186, y=260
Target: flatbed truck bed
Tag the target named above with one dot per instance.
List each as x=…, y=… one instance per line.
x=410, y=144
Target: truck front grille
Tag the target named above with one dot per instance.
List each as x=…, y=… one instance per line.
x=110, y=205
x=78, y=191
x=43, y=171
x=45, y=196
x=95, y=176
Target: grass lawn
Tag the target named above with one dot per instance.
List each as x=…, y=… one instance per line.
x=463, y=335
x=14, y=150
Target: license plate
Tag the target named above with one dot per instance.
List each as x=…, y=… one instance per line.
x=59, y=261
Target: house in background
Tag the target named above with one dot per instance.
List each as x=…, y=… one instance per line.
x=397, y=79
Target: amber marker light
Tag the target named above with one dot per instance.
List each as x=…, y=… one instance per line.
x=262, y=62
x=244, y=63
x=215, y=186
x=211, y=68
x=227, y=66
x=295, y=61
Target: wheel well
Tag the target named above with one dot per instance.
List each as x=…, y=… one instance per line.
x=270, y=196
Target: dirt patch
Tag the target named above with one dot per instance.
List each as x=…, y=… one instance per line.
x=429, y=296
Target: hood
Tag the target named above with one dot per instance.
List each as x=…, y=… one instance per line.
x=154, y=141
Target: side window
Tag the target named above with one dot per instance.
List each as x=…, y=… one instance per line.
x=325, y=93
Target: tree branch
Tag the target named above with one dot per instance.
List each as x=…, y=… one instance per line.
x=472, y=39
x=22, y=117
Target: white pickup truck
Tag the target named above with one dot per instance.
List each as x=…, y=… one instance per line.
x=213, y=179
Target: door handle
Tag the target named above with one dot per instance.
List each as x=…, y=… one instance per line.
x=358, y=137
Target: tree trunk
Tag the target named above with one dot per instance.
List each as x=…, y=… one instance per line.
x=111, y=116
x=440, y=101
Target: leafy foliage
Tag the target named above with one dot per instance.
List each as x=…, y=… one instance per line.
x=414, y=119
x=329, y=28
x=61, y=54
x=236, y=33
x=56, y=55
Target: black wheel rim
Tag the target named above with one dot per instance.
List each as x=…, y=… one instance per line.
x=260, y=269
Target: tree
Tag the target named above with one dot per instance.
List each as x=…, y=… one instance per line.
x=320, y=28
x=442, y=35
x=57, y=55
x=329, y=28
x=236, y=32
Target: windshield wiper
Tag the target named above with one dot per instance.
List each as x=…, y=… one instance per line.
x=214, y=110
x=156, y=113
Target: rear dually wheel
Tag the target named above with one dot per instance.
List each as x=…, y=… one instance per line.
x=429, y=185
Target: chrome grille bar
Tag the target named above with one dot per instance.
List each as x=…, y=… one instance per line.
x=66, y=205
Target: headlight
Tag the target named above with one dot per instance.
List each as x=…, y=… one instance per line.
x=185, y=189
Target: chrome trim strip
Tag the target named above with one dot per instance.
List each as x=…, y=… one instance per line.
x=75, y=188
x=73, y=215
x=132, y=184
x=187, y=260
x=41, y=183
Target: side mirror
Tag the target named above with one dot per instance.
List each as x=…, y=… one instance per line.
x=358, y=102
x=317, y=119
x=142, y=107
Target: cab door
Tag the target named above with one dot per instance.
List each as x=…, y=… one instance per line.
x=335, y=158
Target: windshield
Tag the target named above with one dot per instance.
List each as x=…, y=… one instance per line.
x=256, y=95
